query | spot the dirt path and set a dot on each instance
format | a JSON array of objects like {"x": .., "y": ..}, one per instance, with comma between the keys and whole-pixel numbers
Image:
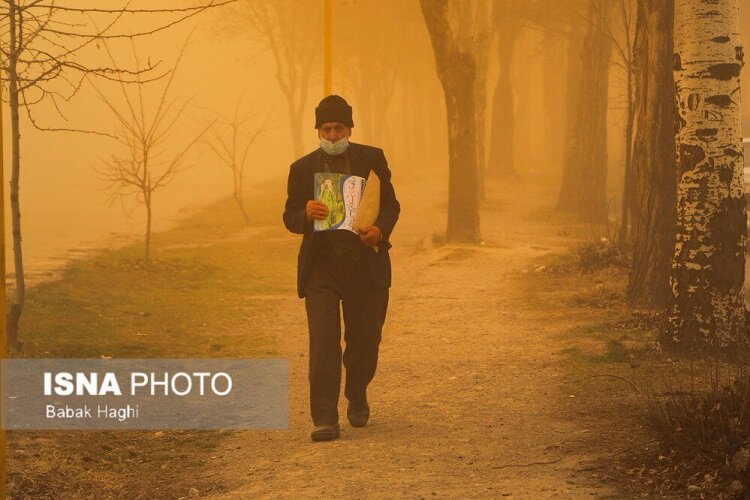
[{"x": 469, "y": 399}]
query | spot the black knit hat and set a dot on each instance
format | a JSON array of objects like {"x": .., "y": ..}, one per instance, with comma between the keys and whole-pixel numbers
[{"x": 333, "y": 109}]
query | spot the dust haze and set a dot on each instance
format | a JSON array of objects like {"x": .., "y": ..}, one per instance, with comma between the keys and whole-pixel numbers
[
  {"x": 398, "y": 105},
  {"x": 480, "y": 389}
]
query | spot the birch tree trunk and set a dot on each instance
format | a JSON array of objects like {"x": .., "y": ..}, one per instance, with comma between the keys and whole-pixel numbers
[
  {"x": 457, "y": 73},
  {"x": 706, "y": 310},
  {"x": 653, "y": 156}
]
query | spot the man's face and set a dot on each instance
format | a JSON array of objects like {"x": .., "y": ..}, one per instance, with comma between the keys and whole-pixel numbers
[{"x": 333, "y": 131}]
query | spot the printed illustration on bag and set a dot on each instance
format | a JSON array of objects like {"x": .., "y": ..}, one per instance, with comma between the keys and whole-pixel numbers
[{"x": 342, "y": 195}]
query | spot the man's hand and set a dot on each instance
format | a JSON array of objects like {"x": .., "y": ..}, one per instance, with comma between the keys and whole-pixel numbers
[
  {"x": 315, "y": 210},
  {"x": 370, "y": 235}
]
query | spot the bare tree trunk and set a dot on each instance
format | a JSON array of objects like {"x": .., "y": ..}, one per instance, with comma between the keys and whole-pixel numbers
[
  {"x": 501, "y": 163},
  {"x": 46, "y": 64},
  {"x": 619, "y": 27},
  {"x": 296, "y": 108},
  {"x": 480, "y": 100},
  {"x": 148, "y": 227},
  {"x": 411, "y": 106},
  {"x": 241, "y": 204},
  {"x": 463, "y": 181},
  {"x": 420, "y": 105},
  {"x": 586, "y": 161},
  {"x": 239, "y": 196},
  {"x": 457, "y": 73},
  {"x": 238, "y": 168},
  {"x": 629, "y": 196},
  {"x": 629, "y": 200},
  {"x": 554, "y": 96},
  {"x": 574, "y": 76},
  {"x": 288, "y": 30},
  {"x": 381, "y": 92},
  {"x": 364, "y": 123},
  {"x": 706, "y": 309},
  {"x": 654, "y": 182},
  {"x": 16, "y": 308},
  {"x": 295, "y": 124}
]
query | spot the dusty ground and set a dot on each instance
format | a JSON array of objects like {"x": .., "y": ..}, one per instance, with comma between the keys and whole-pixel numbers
[{"x": 471, "y": 398}]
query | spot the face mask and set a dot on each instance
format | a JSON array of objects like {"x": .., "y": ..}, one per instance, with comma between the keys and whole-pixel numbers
[{"x": 334, "y": 148}]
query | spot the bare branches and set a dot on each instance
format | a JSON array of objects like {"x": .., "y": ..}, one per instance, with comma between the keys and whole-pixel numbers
[
  {"x": 231, "y": 141},
  {"x": 126, "y": 10},
  {"x": 46, "y": 53},
  {"x": 27, "y": 105},
  {"x": 44, "y": 60},
  {"x": 290, "y": 31},
  {"x": 143, "y": 129},
  {"x": 137, "y": 34}
]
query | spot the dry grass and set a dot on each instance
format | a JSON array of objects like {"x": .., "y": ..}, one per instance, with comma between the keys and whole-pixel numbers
[
  {"x": 207, "y": 282},
  {"x": 684, "y": 420}
]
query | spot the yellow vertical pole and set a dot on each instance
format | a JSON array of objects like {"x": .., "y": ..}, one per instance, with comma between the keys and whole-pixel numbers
[
  {"x": 327, "y": 46},
  {"x": 3, "y": 333}
]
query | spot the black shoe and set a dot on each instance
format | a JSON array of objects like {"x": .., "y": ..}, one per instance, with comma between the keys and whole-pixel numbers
[
  {"x": 325, "y": 433},
  {"x": 358, "y": 412}
]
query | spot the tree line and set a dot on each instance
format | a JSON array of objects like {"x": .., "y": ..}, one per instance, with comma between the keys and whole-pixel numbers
[{"x": 683, "y": 214}]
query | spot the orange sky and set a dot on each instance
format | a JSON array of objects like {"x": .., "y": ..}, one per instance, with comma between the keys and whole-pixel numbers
[{"x": 58, "y": 180}]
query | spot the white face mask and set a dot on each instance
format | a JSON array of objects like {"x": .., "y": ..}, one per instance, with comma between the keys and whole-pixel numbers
[{"x": 334, "y": 148}]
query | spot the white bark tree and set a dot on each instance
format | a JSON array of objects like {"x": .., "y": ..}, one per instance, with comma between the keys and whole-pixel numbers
[{"x": 706, "y": 310}]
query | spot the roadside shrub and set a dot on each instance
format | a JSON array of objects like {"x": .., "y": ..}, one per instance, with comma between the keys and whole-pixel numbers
[
  {"x": 599, "y": 254},
  {"x": 714, "y": 421},
  {"x": 702, "y": 423}
]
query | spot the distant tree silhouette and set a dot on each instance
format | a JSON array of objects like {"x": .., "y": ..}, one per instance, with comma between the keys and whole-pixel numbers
[
  {"x": 293, "y": 32},
  {"x": 231, "y": 139},
  {"x": 583, "y": 189},
  {"x": 142, "y": 130},
  {"x": 451, "y": 30},
  {"x": 501, "y": 163}
]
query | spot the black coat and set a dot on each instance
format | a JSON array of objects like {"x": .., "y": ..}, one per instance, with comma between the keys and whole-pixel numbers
[{"x": 300, "y": 190}]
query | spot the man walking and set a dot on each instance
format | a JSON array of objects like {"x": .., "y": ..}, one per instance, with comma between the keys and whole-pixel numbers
[{"x": 339, "y": 270}]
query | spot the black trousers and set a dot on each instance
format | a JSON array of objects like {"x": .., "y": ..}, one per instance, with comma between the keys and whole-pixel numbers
[{"x": 337, "y": 283}]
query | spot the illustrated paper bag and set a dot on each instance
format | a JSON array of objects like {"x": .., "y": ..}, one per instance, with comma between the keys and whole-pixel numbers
[{"x": 369, "y": 206}]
